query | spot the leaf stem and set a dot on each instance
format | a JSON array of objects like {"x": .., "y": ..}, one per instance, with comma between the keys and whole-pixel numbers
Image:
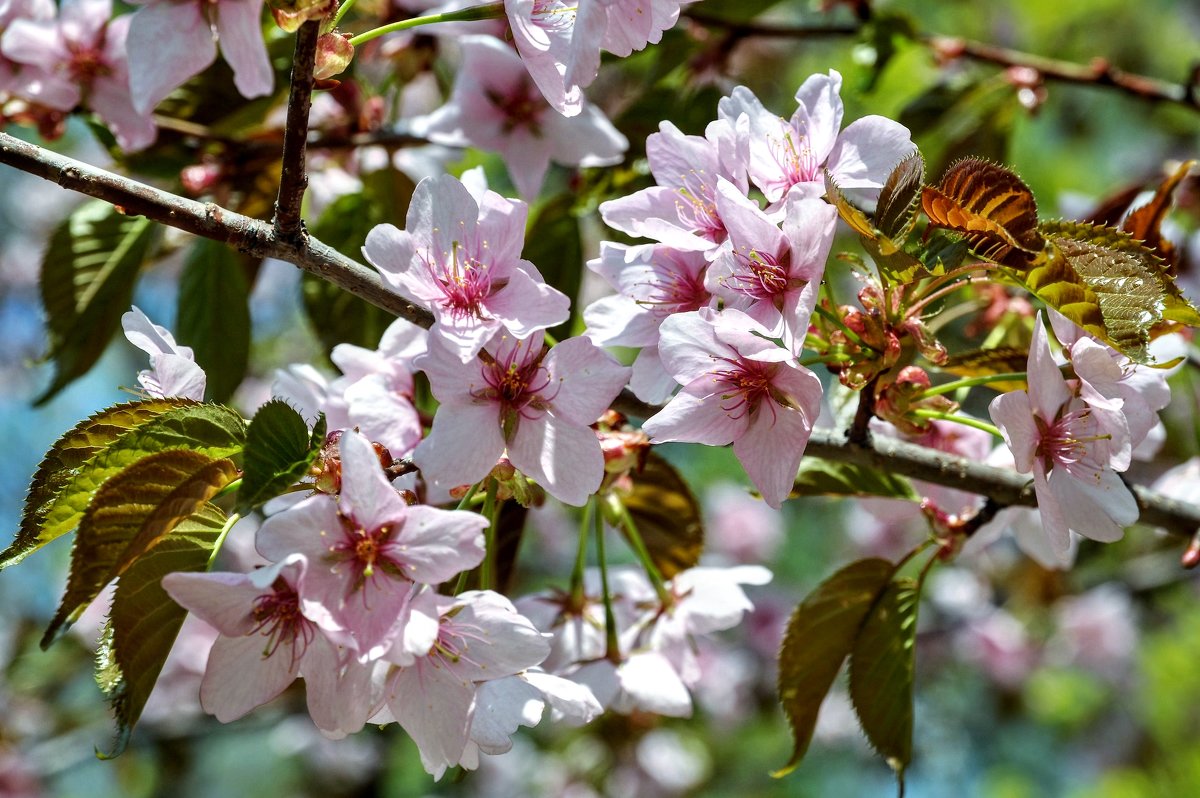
[
  {"x": 491, "y": 511},
  {"x": 970, "y": 382},
  {"x": 967, "y": 421},
  {"x": 643, "y": 554},
  {"x": 228, "y": 525},
  {"x": 472, "y": 14},
  {"x": 577, "y": 589},
  {"x": 612, "y": 650}
]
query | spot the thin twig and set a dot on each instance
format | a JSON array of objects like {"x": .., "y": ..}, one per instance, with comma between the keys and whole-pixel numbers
[
  {"x": 293, "y": 178},
  {"x": 208, "y": 220}
]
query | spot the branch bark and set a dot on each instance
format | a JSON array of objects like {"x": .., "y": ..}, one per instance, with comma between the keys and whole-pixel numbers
[
  {"x": 293, "y": 178},
  {"x": 208, "y": 220}
]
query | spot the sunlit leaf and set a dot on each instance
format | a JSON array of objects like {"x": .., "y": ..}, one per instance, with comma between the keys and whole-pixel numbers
[
  {"x": 895, "y": 210},
  {"x": 852, "y": 216},
  {"x": 214, "y": 314},
  {"x": 130, "y": 514},
  {"x": 1145, "y": 222},
  {"x": 279, "y": 451},
  {"x": 144, "y": 620},
  {"x": 819, "y": 637},
  {"x": 667, "y": 516},
  {"x": 211, "y": 430},
  {"x": 819, "y": 477},
  {"x": 87, "y": 277},
  {"x": 990, "y": 205},
  {"x": 881, "y": 673},
  {"x": 981, "y": 362},
  {"x": 61, "y": 464}
]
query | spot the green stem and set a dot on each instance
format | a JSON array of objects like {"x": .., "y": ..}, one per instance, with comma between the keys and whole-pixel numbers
[
  {"x": 466, "y": 500},
  {"x": 829, "y": 316},
  {"x": 341, "y": 12},
  {"x": 489, "y": 11},
  {"x": 577, "y": 595},
  {"x": 967, "y": 421},
  {"x": 643, "y": 554},
  {"x": 228, "y": 525},
  {"x": 612, "y": 644},
  {"x": 229, "y": 488},
  {"x": 970, "y": 382},
  {"x": 491, "y": 511}
]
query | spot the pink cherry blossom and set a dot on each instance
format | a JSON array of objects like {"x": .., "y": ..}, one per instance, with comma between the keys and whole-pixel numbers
[
  {"x": 773, "y": 275},
  {"x": 173, "y": 370},
  {"x": 265, "y": 643},
  {"x": 462, "y": 260},
  {"x": 496, "y": 106},
  {"x": 480, "y": 637},
  {"x": 172, "y": 40},
  {"x": 632, "y": 24},
  {"x": 368, "y": 548},
  {"x": 652, "y": 281},
  {"x": 681, "y": 211},
  {"x": 738, "y": 388},
  {"x": 791, "y": 154},
  {"x": 80, "y": 58},
  {"x": 560, "y": 45},
  {"x": 13, "y": 74},
  {"x": 1062, "y": 440},
  {"x": 535, "y": 403}
]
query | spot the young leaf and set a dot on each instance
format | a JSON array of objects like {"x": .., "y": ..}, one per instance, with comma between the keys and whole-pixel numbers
[
  {"x": 667, "y": 516},
  {"x": 132, "y": 512},
  {"x": 820, "y": 634},
  {"x": 214, "y": 314},
  {"x": 1145, "y": 221},
  {"x": 279, "y": 450},
  {"x": 850, "y": 215},
  {"x": 881, "y": 673},
  {"x": 894, "y": 212},
  {"x": 212, "y": 430},
  {"x": 86, "y": 283},
  {"x": 819, "y": 477},
  {"x": 144, "y": 620},
  {"x": 64, "y": 459},
  {"x": 991, "y": 206}
]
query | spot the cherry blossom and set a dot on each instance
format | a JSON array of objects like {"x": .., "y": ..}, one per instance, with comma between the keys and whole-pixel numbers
[
  {"x": 80, "y": 58},
  {"x": 368, "y": 548},
  {"x": 535, "y": 403},
  {"x": 560, "y": 45},
  {"x": 173, "y": 370},
  {"x": 13, "y": 74},
  {"x": 496, "y": 106},
  {"x": 462, "y": 260},
  {"x": 791, "y": 154},
  {"x": 652, "y": 281},
  {"x": 172, "y": 40},
  {"x": 738, "y": 388},
  {"x": 773, "y": 275},
  {"x": 1062, "y": 440},
  {"x": 681, "y": 211}
]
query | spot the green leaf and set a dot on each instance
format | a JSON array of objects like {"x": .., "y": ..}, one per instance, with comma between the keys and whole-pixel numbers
[
  {"x": 554, "y": 246},
  {"x": 64, "y": 459},
  {"x": 819, "y": 637},
  {"x": 87, "y": 278},
  {"x": 667, "y": 516},
  {"x": 214, "y": 314},
  {"x": 132, "y": 512},
  {"x": 279, "y": 451},
  {"x": 881, "y": 673},
  {"x": 850, "y": 214},
  {"x": 144, "y": 620},
  {"x": 212, "y": 430},
  {"x": 819, "y": 477}
]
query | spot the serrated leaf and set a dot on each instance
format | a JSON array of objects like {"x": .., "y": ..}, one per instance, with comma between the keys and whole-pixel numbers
[
  {"x": 882, "y": 666},
  {"x": 1145, "y": 221},
  {"x": 62, "y": 463},
  {"x": 279, "y": 451},
  {"x": 214, "y": 314},
  {"x": 898, "y": 266},
  {"x": 991, "y": 206},
  {"x": 818, "y": 477},
  {"x": 852, "y": 216},
  {"x": 86, "y": 281},
  {"x": 895, "y": 211},
  {"x": 144, "y": 620},
  {"x": 819, "y": 637},
  {"x": 941, "y": 253},
  {"x": 132, "y": 512},
  {"x": 667, "y": 516},
  {"x": 212, "y": 430}
]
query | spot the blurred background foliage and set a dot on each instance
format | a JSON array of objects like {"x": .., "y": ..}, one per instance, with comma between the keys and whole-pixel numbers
[{"x": 1030, "y": 683}]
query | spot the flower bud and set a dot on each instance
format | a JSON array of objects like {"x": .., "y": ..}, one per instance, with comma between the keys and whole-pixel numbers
[{"x": 334, "y": 54}]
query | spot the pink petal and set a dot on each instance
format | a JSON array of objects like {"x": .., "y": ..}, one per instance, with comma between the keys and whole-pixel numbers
[
  {"x": 434, "y": 706},
  {"x": 1048, "y": 390},
  {"x": 239, "y": 24},
  {"x": 562, "y": 456},
  {"x": 587, "y": 380},
  {"x": 223, "y": 600},
  {"x": 772, "y": 445},
  {"x": 526, "y": 306},
  {"x": 867, "y": 151},
  {"x": 462, "y": 447},
  {"x": 156, "y": 70},
  {"x": 1013, "y": 414},
  {"x": 820, "y": 112},
  {"x": 438, "y": 544},
  {"x": 696, "y": 415},
  {"x": 239, "y": 678}
]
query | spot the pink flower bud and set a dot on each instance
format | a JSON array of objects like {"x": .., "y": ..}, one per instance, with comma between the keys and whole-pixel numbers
[{"x": 334, "y": 53}]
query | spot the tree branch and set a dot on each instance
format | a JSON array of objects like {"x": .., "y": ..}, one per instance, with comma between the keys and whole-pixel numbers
[
  {"x": 208, "y": 220},
  {"x": 293, "y": 178},
  {"x": 1005, "y": 487},
  {"x": 1098, "y": 73}
]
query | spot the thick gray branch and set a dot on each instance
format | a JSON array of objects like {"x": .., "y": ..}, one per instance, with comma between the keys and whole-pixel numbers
[{"x": 208, "y": 220}]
